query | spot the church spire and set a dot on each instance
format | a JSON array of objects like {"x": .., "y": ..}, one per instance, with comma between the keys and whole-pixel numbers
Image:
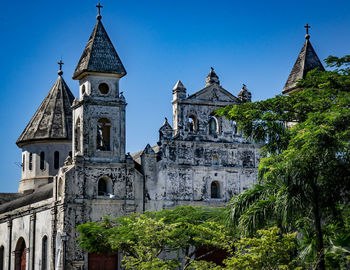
[
  {"x": 307, "y": 60},
  {"x": 99, "y": 55}
]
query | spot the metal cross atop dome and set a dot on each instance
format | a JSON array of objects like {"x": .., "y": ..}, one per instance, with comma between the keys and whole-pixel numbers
[
  {"x": 60, "y": 63},
  {"x": 307, "y": 26},
  {"x": 99, "y": 11},
  {"x": 60, "y": 72}
]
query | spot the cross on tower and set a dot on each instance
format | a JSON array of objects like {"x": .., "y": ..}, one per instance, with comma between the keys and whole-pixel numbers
[
  {"x": 60, "y": 72},
  {"x": 307, "y": 26},
  {"x": 99, "y": 11},
  {"x": 60, "y": 63}
]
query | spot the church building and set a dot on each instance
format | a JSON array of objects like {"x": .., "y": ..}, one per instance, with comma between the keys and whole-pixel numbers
[{"x": 75, "y": 167}]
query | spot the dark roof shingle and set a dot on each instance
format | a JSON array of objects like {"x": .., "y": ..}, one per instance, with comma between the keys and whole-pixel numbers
[
  {"x": 306, "y": 61},
  {"x": 53, "y": 119},
  {"x": 99, "y": 55}
]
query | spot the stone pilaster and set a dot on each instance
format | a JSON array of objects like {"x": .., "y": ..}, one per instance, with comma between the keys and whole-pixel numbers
[
  {"x": 31, "y": 242},
  {"x": 9, "y": 243}
]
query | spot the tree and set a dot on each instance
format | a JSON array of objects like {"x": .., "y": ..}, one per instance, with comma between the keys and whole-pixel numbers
[
  {"x": 304, "y": 173},
  {"x": 269, "y": 250},
  {"x": 144, "y": 238}
]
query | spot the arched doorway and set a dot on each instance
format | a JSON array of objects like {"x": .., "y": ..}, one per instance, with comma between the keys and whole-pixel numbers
[{"x": 20, "y": 255}]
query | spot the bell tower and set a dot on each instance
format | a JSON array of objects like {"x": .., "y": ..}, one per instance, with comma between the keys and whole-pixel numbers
[{"x": 99, "y": 112}]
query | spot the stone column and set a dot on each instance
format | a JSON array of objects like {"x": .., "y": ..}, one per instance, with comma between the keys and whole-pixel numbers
[
  {"x": 31, "y": 258},
  {"x": 53, "y": 236},
  {"x": 9, "y": 243}
]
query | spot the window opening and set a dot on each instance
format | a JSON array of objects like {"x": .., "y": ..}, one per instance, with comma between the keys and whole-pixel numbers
[
  {"x": 44, "y": 253},
  {"x": 192, "y": 123},
  {"x": 30, "y": 161},
  {"x": 212, "y": 125},
  {"x": 56, "y": 162},
  {"x": 77, "y": 136},
  {"x": 2, "y": 257},
  {"x": 103, "y": 135},
  {"x": 104, "y": 89},
  {"x": 215, "y": 190},
  {"x": 83, "y": 90},
  {"x": 24, "y": 162},
  {"x": 42, "y": 160},
  {"x": 104, "y": 186}
]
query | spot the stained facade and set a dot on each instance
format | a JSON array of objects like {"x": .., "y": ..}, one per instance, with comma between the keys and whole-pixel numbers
[{"x": 75, "y": 167}]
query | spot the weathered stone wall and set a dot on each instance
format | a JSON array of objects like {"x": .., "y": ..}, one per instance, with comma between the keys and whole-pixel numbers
[
  {"x": 79, "y": 201},
  {"x": 187, "y": 169},
  {"x": 31, "y": 223},
  {"x": 35, "y": 177}
]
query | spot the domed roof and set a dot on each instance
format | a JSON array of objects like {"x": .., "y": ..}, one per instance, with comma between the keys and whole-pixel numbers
[{"x": 53, "y": 119}]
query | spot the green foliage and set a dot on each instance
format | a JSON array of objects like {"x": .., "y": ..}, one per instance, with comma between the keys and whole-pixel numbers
[
  {"x": 304, "y": 174},
  {"x": 270, "y": 250},
  {"x": 143, "y": 237}
]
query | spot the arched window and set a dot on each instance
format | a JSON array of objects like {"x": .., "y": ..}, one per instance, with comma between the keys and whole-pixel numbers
[
  {"x": 213, "y": 127},
  {"x": 30, "y": 161},
  {"x": 104, "y": 186},
  {"x": 215, "y": 190},
  {"x": 77, "y": 136},
  {"x": 20, "y": 255},
  {"x": 2, "y": 257},
  {"x": 44, "y": 253},
  {"x": 83, "y": 89},
  {"x": 103, "y": 139},
  {"x": 192, "y": 123},
  {"x": 56, "y": 160},
  {"x": 24, "y": 162},
  {"x": 42, "y": 160}
]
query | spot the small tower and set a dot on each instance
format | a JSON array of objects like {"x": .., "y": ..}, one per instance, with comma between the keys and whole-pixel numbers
[
  {"x": 245, "y": 95},
  {"x": 99, "y": 113},
  {"x": 307, "y": 60},
  {"x": 179, "y": 90},
  {"x": 212, "y": 78},
  {"x": 47, "y": 140},
  {"x": 179, "y": 94}
]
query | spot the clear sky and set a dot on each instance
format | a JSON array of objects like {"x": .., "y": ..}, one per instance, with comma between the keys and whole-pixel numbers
[{"x": 159, "y": 42}]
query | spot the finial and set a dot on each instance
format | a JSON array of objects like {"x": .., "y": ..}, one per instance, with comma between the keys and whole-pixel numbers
[
  {"x": 99, "y": 11},
  {"x": 211, "y": 69},
  {"x": 307, "y": 26},
  {"x": 60, "y": 72},
  {"x": 166, "y": 120}
]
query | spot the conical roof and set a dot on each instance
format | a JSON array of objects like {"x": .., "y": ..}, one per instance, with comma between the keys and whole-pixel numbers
[
  {"x": 306, "y": 61},
  {"x": 99, "y": 55},
  {"x": 53, "y": 119},
  {"x": 179, "y": 86}
]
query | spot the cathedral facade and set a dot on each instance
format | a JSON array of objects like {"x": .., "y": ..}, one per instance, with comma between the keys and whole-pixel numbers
[{"x": 75, "y": 167}]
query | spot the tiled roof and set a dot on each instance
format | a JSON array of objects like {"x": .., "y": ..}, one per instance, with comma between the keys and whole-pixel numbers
[
  {"x": 99, "y": 55},
  {"x": 306, "y": 61},
  {"x": 53, "y": 119}
]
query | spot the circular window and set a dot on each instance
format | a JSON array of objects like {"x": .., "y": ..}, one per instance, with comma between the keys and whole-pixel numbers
[
  {"x": 103, "y": 87},
  {"x": 83, "y": 90}
]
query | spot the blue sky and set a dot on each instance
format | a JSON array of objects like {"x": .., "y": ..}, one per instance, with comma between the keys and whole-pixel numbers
[{"x": 159, "y": 42}]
